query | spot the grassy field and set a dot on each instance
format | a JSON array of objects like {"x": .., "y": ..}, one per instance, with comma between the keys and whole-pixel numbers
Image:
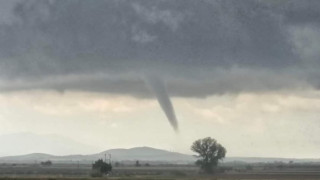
[
  {"x": 176, "y": 172},
  {"x": 164, "y": 178}
]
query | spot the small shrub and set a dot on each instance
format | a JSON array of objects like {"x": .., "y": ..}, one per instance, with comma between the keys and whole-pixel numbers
[
  {"x": 101, "y": 167},
  {"x": 46, "y": 163}
]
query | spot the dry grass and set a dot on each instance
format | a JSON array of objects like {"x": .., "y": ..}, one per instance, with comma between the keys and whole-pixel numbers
[{"x": 271, "y": 177}]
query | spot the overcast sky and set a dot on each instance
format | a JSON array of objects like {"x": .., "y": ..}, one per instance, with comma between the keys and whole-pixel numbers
[{"x": 243, "y": 72}]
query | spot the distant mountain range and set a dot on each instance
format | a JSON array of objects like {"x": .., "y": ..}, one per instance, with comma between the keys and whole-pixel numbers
[
  {"x": 139, "y": 153},
  {"x": 143, "y": 154},
  {"x": 26, "y": 143}
]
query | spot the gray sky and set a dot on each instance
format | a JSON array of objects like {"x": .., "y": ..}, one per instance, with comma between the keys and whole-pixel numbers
[{"x": 243, "y": 72}]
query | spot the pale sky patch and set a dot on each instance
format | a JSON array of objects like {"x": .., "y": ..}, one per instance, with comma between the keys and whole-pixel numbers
[{"x": 267, "y": 124}]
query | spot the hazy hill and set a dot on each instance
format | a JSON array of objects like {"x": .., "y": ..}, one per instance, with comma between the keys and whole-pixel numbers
[
  {"x": 268, "y": 160},
  {"x": 139, "y": 153},
  {"x": 26, "y": 143},
  {"x": 146, "y": 154}
]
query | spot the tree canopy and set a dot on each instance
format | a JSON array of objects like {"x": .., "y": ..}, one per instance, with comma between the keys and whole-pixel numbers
[
  {"x": 209, "y": 153},
  {"x": 101, "y": 167}
]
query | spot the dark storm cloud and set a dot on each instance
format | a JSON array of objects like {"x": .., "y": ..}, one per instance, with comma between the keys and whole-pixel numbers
[
  {"x": 299, "y": 12},
  {"x": 200, "y": 47}
]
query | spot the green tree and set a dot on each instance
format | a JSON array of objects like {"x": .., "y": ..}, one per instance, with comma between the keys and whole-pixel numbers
[
  {"x": 209, "y": 153},
  {"x": 100, "y": 167}
]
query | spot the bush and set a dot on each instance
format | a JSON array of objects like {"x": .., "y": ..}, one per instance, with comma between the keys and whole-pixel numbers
[
  {"x": 99, "y": 168},
  {"x": 46, "y": 163}
]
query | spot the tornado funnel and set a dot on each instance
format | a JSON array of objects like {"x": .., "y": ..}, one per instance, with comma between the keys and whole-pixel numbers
[{"x": 160, "y": 91}]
